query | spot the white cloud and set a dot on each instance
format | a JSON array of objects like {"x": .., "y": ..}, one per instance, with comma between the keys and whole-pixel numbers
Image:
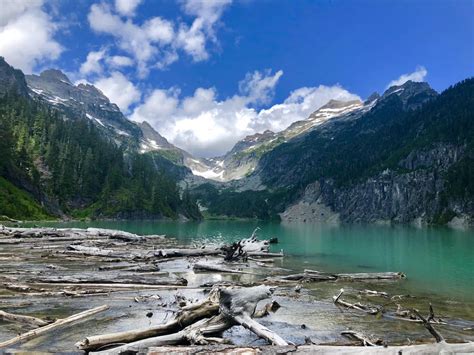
[
  {"x": 118, "y": 61},
  {"x": 156, "y": 42},
  {"x": 127, "y": 7},
  {"x": 27, "y": 34},
  {"x": 119, "y": 90},
  {"x": 206, "y": 126},
  {"x": 418, "y": 75},
  {"x": 92, "y": 63},
  {"x": 259, "y": 87}
]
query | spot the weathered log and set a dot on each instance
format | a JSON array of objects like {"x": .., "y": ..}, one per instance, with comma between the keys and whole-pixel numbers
[
  {"x": 358, "y": 306},
  {"x": 423, "y": 349},
  {"x": 183, "y": 253},
  {"x": 240, "y": 305},
  {"x": 372, "y": 276},
  {"x": 138, "y": 280},
  {"x": 187, "y": 316},
  {"x": 95, "y": 251},
  {"x": 316, "y": 276},
  {"x": 372, "y": 293},
  {"x": 265, "y": 311},
  {"x": 363, "y": 339},
  {"x": 235, "y": 305},
  {"x": 439, "y": 338},
  {"x": 116, "y": 234},
  {"x": 59, "y": 323},
  {"x": 18, "y": 318},
  {"x": 218, "y": 268}
]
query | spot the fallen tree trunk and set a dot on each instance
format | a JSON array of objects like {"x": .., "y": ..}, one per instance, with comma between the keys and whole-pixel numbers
[
  {"x": 316, "y": 276},
  {"x": 437, "y": 348},
  {"x": 426, "y": 322},
  {"x": 363, "y": 339},
  {"x": 137, "y": 280},
  {"x": 218, "y": 268},
  {"x": 59, "y": 323},
  {"x": 235, "y": 307},
  {"x": 95, "y": 251},
  {"x": 18, "y": 318},
  {"x": 183, "y": 253},
  {"x": 357, "y": 306},
  {"x": 372, "y": 276},
  {"x": 187, "y": 316}
]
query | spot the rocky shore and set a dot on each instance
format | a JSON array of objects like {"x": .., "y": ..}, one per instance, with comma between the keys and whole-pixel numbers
[{"x": 112, "y": 292}]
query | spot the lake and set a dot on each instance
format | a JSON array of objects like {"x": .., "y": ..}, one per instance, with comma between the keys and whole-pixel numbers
[{"x": 438, "y": 262}]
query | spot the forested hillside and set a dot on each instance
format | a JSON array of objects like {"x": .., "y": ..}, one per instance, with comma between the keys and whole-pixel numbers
[
  {"x": 411, "y": 156},
  {"x": 70, "y": 168}
]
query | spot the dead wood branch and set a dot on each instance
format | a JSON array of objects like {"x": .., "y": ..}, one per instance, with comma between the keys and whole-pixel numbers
[
  {"x": 235, "y": 306},
  {"x": 439, "y": 338},
  {"x": 358, "y": 306},
  {"x": 265, "y": 311},
  {"x": 59, "y": 323},
  {"x": 18, "y": 318},
  {"x": 363, "y": 339}
]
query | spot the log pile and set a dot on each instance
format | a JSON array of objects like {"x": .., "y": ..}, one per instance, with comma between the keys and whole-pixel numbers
[
  {"x": 197, "y": 324},
  {"x": 129, "y": 270}
]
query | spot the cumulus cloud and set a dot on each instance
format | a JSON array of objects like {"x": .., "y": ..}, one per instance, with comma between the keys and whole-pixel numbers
[
  {"x": 155, "y": 43},
  {"x": 206, "y": 126},
  {"x": 127, "y": 7},
  {"x": 27, "y": 34},
  {"x": 418, "y": 75},
  {"x": 93, "y": 63},
  {"x": 119, "y": 90}
]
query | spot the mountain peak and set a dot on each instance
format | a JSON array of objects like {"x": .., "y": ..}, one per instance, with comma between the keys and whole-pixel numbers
[
  {"x": 412, "y": 93},
  {"x": 11, "y": 79},
  {"x": 55, "y": 74},
  {"x": 337, "y": 104},
  {"x": 374, "y": 96}
]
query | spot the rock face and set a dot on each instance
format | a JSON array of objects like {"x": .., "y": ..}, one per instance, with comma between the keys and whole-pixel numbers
[
  {"x": 11, "y": 80},
  {"x": 244, "y": 157},
  {"x": 407, "y": 159},
  {"x": 412, "y": 94},
  {"x": 82, "y": 101},
  {"x": 414, "y": 195}
]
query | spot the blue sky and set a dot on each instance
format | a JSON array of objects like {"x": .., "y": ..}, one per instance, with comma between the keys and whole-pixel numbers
[{"x": 205, "y": 73}]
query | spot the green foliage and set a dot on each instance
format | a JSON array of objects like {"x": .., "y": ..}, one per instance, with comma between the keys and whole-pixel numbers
[
  {"x": 460, "y": 179},
  {"x": 172, "y": 155},
  {"x": 354, "y": 150},
  {"x": 18, "y": 204},
  {"x": 263, "y": 205},
  {"x": 71, "y": 161}
]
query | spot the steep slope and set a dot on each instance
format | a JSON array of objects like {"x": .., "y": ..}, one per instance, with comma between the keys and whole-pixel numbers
[
  {"x": 86, "y": 102},
  {"x": 12, "y": 81},
  {"x": 74, "y": 164},
  {"x": 243, "y": 158},
  {"x": 82, "y": 101},
  {"x": 394, "y": 164}
]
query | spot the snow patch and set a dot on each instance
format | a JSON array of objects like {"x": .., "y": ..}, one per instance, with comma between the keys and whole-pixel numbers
[{"x": 95, "y": 119}]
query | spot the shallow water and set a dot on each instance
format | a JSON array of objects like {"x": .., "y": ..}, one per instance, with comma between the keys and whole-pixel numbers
[{"x": 438, "y": 262}]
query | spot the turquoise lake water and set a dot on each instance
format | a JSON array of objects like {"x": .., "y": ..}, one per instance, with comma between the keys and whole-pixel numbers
[{"x": 437, "y": 261}]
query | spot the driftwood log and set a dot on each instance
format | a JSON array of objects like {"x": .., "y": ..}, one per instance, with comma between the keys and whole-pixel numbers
[
  {"x": 358, "y": 306},
  {"x": 18, "y": 318},
  {"x": 223, "y": 309},
  {"x": 316, "y": 276},
  {"x": 57, "y": 324},
  {"x": 424, "y": 349}
]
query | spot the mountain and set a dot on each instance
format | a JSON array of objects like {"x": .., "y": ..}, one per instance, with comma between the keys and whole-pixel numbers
[
  {"x": 243, "y": 158},
  {"x": 404, "y": 157},
  {"x": 68, "y": 151}
]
